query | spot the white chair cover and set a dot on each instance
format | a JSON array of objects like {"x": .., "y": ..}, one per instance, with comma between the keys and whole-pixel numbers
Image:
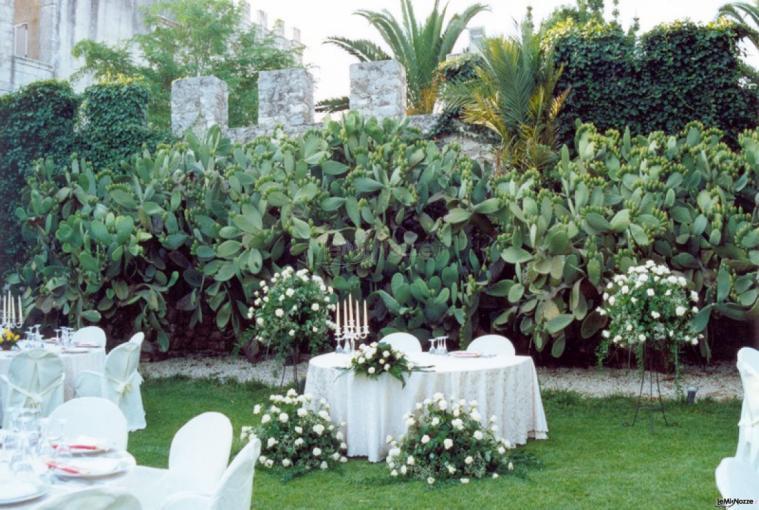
[
  {"x": 200, "y": 451},
  {"x": 748, "y": 426},
  {"x": 235, "y": 490},
  {"x": 90, "y": 335},
  {"x": 94, "y": 417},
  {"x": 492, "y": 345},
  {"x": 404, "y": 342},
  {"x": 34, "y": 380},
  {"x": 137, "y": 338},
  {"x": 99, "y": 498},
  {"x": 736, "y": 479},
  {"x": 120, "y": 384}
]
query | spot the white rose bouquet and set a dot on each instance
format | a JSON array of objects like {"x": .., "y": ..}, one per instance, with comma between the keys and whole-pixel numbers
[
  {"x": 446, "y": 441},
  {"x": 295, "y": 438},
  {"x": 376, "y": 359},
  {"x": 291, "y": 313},
  {"x": 648, "y": 306}
]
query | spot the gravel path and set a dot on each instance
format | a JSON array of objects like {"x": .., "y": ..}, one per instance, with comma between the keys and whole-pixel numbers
[{"x": 719, "y": 381}]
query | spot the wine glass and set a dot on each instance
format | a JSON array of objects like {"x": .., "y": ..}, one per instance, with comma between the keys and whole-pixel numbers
[{"x": 433, "y": 346}]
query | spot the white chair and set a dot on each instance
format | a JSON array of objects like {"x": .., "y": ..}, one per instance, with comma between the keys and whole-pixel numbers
[
  {"x": 96, "y": 498},
  {"x": 120, "y": 383},
  {"x": 404, "y": 342},
  {"x": 137, "y": 338},
  {"x": 198, "y": 456},
  {"x": 492, "y": 345},
  {"x": 34, "y": 380},
  {"x": 748, "y": 427},
  {"x": 234, "y": 491},
  {"x": 736, "y": 479},
  {"x": 91, "y": 335},
  {"x": 93, "y": 417}
]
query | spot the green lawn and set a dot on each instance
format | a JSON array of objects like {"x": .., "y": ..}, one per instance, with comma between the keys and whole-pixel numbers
[{"x": 590, "y": 461}]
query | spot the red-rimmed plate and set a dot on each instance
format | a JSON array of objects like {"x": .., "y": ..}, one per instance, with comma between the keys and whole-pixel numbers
[{"x": 465, "y": 354}]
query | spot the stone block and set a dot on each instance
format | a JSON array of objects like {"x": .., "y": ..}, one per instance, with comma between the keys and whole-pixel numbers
[
  {"x": 378, "y": 89},
  {"x": 197, "y": 104}
]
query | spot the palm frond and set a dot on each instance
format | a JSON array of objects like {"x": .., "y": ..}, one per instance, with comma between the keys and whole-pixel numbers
[{"x": 363, "y": 49}]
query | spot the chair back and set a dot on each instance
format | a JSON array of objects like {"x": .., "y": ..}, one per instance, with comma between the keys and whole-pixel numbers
[
  {"x": 748, "y": 437},
  {"x": 122, "y": 362},
  {"x": 92, "y": 335},
  {"x": 492, "y": 345},
  {"x": 35, "y": 379},
  {"x": 736, "y": 479},
  {"x": 93, "y": 417},
  {"x": 122, "y": 383},
  {"x": 235, "y": 490},
  {"x": 404, "y": 342},
  {"x": 95, "y": 498},
  {"x": 137, "y": 338},
  {"x": 200, "y": 451}
]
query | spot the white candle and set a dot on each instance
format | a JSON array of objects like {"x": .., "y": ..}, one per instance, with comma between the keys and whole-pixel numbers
[
  {"x": 5, "y": 309},
  {"x": 337, "y": 317},
  {"x": 366, "y": 317},
  {"x": 350, "y": 309},
  {"x": 20, "y": 310},
  {"x": 358, "y": 314}
]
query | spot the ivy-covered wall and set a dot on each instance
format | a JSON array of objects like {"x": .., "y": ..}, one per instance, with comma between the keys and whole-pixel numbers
[
  {"x": 48, "y": 120},
  {"x": 674, "y": 74}
]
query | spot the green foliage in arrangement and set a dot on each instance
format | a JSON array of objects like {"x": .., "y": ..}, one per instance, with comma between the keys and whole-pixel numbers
[
  {"x": 661, "y": 81},
  {"x": 220, "y": 46},
  {"x": 439, "y": 244},
  {"x": 36, "y": 122}
]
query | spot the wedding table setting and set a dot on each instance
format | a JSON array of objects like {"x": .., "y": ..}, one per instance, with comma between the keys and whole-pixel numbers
[{"x": 505, "y": 388}]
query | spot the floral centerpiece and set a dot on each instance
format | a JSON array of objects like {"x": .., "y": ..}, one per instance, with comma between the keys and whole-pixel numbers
[
  {"x": 376, "y": 359},
  {"x": 294, "y": 437},
  {"x": 8, "y": 339},
  {"x": 291, "y": 313},
  {"x": 649, "y": 306},
  {"x": 446, "y": 441}
]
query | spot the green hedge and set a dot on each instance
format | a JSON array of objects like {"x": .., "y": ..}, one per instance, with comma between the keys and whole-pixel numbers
[
  {"x": 48, "y": 120},
  {"x": 439, "y": 244},
  {"x": 668, "y": 77}
]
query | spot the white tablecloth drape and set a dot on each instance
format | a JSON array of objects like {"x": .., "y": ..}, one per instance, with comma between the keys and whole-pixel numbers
[
  {"x": 503, "y": 386},
  {"x": 73, "y": 364}
]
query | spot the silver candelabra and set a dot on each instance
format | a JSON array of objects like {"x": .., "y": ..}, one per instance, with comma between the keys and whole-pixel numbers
[{"x": 351, "y": 328}]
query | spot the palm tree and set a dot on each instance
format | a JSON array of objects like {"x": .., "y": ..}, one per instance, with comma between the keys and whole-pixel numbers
[
  {"x": 513, "y": 95},
  {"x": 745, "y": 16},
  {"x": 420, "y": 48}
]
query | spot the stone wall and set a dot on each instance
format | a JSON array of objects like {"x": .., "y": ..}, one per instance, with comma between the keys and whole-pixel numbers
[
  {"x": 6, "y": 45},
  {"x": 378, "y": 89},
  {"x": 26, "y": 70}
]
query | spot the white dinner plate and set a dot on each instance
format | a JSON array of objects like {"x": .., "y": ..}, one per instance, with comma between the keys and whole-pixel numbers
[
  {"x": 83, "y": 445},
  {"x": 13, "y": 491},
  {"x": 465, "y": 354},
  {"x": 93, "y": 467}
]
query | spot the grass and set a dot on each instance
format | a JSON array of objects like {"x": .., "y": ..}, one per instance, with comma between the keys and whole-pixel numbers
[{"x": 590, "y": 460}]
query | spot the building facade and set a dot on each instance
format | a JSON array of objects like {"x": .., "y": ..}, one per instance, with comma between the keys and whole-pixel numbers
[{"x": 37, "y": 36}]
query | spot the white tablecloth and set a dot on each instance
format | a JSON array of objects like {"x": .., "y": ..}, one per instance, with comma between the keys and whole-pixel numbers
[
  {"x": 73, "y": 364},
  {"x": 504, "y": 386}
]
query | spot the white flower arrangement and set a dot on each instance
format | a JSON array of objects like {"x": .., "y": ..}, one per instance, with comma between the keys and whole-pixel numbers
[
  {"x": 649, "y": 306},
  {"x": 437, "y": 450},
  {"x": 295, "y": 437},
  {"x": 291, "y": 313},
  {"x": 375, "y": 359}
]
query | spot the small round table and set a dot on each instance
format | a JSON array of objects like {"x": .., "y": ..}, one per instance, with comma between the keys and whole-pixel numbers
[{"x": 503, "y": 386}]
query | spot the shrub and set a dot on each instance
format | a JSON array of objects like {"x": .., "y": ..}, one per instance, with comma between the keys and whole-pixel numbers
[
  {"x": 445, "y": 441},
  {"x": 294, "y": 437},
  {"x": 668, "y": 77}
]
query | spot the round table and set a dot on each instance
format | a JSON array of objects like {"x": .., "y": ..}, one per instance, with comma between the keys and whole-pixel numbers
[
  {"x": 76, "y": 361},
  {"x": 503, "y": 386}
]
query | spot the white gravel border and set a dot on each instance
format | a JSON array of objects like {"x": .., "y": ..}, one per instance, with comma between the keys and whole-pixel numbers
[{"x": 719, "y": 382}]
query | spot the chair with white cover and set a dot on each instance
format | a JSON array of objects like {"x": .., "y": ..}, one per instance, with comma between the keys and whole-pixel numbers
[
  {"x": 137, "y": 338},
  {"x": 90, "y": 335},
  {"x": 234, "y": 491},
  {"x": 93, "y": 417},
  {"x": 736, "y": 479},
  {"x": 34, "y": 380},
  {"x": 748, "y": 427},
  {"x": 198, "y": 457},
  {"x": 404, "y": 342},
  {"x": 95, "y": 498},
  {"x": 120, "y": 383},
  {"x": 492, "y": 345}
]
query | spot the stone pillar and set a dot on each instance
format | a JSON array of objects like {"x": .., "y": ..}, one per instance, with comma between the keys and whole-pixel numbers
[
  {"x": 7, "y": 42},
  {"x": 197, "y": 104},
  {"x": 378, "y": 89},
  {"x": 285, "y": 97}
]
